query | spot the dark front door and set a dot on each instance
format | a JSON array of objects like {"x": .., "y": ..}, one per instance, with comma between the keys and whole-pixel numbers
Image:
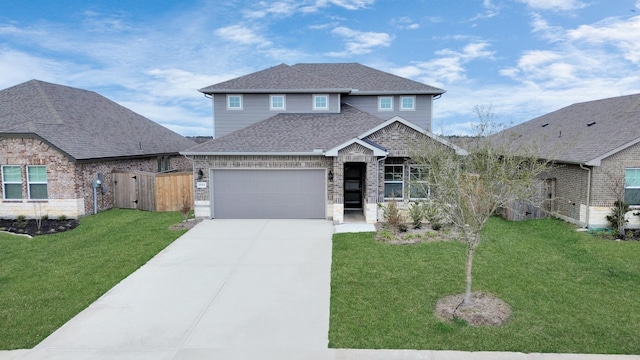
[{"x": 353, "y": 185}]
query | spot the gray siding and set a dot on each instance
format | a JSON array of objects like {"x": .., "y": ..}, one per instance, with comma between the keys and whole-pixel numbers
[
  {"x": 421, "y": 116},
  {"x": 255, "y": 108}
]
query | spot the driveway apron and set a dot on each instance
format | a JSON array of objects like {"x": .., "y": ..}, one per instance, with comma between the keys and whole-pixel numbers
[{"x": 227, "y": 289}]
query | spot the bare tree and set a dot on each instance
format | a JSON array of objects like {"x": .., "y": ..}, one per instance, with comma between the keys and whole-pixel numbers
[{"x": 469, "y": 189}]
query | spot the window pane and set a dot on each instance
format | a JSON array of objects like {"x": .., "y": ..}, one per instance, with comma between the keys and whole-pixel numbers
[
  {"x": 632, "y": 196},
  {"x": 13, "y": 191},
  {"x": 393, "y": 173},
  {"x": 38, "y": 191},
  {"x": 632, "y": 177},
  {"x": 277, "y": 102},
  {"x": 12, "y": 174},
  {"x": 235, "y": 102},
  {"x": 393, "y": 190},
  {"x": 385, "y": 103},
  {"x": 407, "y": 103},
  {"x": 418, "y": 191},
  {"x": 321, "y": 102},
  {"x": 37, "y": 174},
  {"x": 418, "y": 174}
]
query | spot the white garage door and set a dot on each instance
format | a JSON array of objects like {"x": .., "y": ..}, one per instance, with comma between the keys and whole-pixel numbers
[{"x": 268, "y": 194}]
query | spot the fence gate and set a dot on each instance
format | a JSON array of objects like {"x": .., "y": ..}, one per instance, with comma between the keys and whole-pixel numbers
[
  {"x": 542, "y": 206},
  {"x": 152, "y": 191}
]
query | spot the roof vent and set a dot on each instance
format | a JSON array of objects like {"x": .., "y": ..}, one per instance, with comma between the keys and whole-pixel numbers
[
  {"x": 545, "y": 124},
  {"x": 591, "y": 123}
]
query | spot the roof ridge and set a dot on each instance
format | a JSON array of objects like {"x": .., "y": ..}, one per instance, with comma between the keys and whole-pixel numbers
[{"x": 47, "y": 102}]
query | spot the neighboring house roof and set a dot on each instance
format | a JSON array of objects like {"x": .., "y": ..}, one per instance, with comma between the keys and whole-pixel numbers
[
  {"x": 584, "y": 133},
  {"x": 292, "y": 134},
  {"x": 352, "y": 78},
  {"x": 82, "y": 124}
]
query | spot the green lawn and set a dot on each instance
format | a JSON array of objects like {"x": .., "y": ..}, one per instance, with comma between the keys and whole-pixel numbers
[
  {"x": 47, "y": 280},
  {"x": 569, "y": 292}
]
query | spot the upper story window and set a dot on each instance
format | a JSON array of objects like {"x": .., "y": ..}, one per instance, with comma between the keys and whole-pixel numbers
[
  {"x": 12, "y": 181},
  {"x": 320, "y": 102},
  {"x": 407, "y": 103},
  {"x": 277, "y": 102},
  {"x": 37, "y": 181},
  {"x": 632, "y": 186},
  {"x": 385, "y": 103},
  {"x": 234, "y": 102}
]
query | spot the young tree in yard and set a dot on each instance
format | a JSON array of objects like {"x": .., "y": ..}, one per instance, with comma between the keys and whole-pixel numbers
[{"x": 470, "y": 189}]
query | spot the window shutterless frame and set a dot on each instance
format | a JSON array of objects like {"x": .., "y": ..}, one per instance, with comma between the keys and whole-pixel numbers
[
  {"x": 407, "y": 103},
  {"x": 320, "y": 102},
  {"x": 394, "y": 182},
  {"x": 11, "y": 182},
  {"x": 37, "y": 181},
  {"x": 234, "y": 102},
  {"x": 277, "y": 102},
  {"x": 632, "y": 186},
  {"x": 385, "y": 103}
]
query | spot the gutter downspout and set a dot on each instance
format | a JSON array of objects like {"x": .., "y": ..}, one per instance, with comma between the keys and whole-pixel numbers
[{"x": 588, "y": 193}]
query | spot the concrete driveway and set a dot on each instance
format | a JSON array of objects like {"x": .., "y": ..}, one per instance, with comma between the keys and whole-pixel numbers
[{"x": 227, "y": 289}]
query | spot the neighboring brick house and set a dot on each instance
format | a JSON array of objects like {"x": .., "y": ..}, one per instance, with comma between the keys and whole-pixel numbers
[
  {"x": 311, "y": 141},
  {"x": 55, "y": 141},
  {"x": 596, "y": 149}
]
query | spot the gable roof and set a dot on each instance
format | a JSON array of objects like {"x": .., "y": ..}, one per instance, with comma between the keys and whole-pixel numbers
[
  {"x": 585, "y": 133},
  {"x": 352, "y": 78},
  {"x": 292, "y": 134},
  {"x": 83, "y": 124}
]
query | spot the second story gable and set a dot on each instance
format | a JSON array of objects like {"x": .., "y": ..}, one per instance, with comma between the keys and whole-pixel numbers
[{"x": 317, "y": 88}]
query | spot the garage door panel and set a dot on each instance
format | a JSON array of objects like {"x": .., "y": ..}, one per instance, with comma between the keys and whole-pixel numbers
[{"x": 269, "y": 194}]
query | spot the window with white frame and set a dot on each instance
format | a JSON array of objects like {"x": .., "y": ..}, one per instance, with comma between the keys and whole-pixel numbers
[
  {"x": 407, "y": 103},
  {"x": 632, "y": 186},
  {"x": 418, "y": 185},
  {"x": 37, "y": 181},
  {"x": 277, "y": 102},
  {"x": 320, "y": 102},
  {"x": 385, "y": 103},
  {"x": 12, "y": 181},
  {"x": 234, "y": 102},
  {"x": 394, "y": 182}
]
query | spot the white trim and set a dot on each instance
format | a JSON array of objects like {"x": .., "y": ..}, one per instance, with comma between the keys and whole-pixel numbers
[
  {"x": 376, "y": 150},
  {"x": 459, "y": 150},
  {"x": 314, "y": 102},
  {"x": 284, "y": 102},
  {"x": 4, "y": 183},
  {"x": 385, "y": 182},
  {"x": 247, "y": 153},
  {"x": 380, "y": 98},
  {"x": 597, "y": 161},
  {"x": 402, "y": 108},
  {"x": 239, "y": 96}
]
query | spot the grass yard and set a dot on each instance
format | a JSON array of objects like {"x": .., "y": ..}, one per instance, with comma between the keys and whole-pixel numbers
[
  {"x": 569, "y": 292},
  {"x": 47, "y": 280}
]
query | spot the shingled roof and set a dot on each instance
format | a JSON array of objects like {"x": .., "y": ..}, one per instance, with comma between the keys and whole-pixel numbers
[
  {"x": 585, "y": 133},
  {"x": 83, "y": 124},
  {"x": 351, "y": 78},
  {"x": 292, "y": 134}
]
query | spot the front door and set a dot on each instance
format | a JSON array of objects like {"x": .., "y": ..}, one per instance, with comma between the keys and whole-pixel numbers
[{"x": 353, "y": 185}]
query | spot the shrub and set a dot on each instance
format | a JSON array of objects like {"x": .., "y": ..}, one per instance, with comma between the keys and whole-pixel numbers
[
  {"x": 62, "y": 217},
  {"x": 617, "y": 218},
  {"x": 417, "y": 214},
  {"x": 391, "y": 214}
]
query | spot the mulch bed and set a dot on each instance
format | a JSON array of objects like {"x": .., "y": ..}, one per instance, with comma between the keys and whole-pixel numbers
[
  {"x": 485, "y": 309},
  {"x": 33, "y": 227}
]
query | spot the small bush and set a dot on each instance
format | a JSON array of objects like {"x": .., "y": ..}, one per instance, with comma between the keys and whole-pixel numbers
[
  {"x": 617, "y": 218},
  {"x": 391, "y": 214},
  {"x": 417, "y": 214},
  {"x": 62, "y": 217}
]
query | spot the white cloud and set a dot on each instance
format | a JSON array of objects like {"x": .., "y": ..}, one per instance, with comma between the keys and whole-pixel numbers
[
  {"x": 557, "y": 5},
  {"x": 405, "y": 22},
  {"x": 286, "y": 8},
  {"x": 360, "y": 42},
  {"x": 625, "y": 35},
  {"x": 241, "y": 35}
]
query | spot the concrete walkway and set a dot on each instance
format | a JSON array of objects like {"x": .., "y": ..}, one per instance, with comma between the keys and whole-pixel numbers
[{"x": 230, "y": 289}]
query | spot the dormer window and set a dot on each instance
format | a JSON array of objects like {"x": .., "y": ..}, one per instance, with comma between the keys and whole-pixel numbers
[
  {"x": 320, "y": 102},
  {"x": 277, "y": 102},
  {"x": 407, "y": 103},
  {"x": 234, "y": 102},
  {"x": 385, "y": 103}
]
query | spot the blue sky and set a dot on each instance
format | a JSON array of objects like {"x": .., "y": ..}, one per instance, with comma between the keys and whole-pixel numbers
[{"x": 522, "y": 58}]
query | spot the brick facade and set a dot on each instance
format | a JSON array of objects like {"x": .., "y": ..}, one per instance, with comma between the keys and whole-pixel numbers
[{"x": 69, "y": 184}]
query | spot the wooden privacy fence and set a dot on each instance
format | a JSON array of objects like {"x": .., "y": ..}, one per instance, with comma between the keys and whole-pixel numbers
[
  {"x": 542, "y": 206},
  {"x": 152, "y": 191}
]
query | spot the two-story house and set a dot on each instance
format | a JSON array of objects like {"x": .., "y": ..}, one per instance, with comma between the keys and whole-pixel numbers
[{"x": 311, "y": 141}]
